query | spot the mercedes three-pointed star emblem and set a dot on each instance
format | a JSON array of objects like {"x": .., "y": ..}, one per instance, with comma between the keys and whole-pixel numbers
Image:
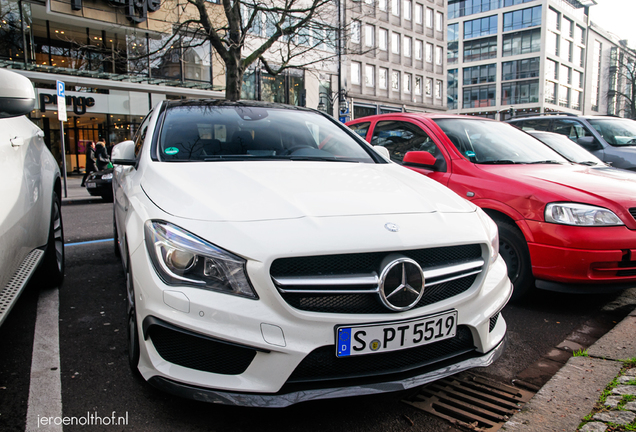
[{"x": 401, "y": 283}]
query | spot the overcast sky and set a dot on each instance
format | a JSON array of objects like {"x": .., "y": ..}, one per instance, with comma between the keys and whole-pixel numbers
[{"x": 618, "y": 17}]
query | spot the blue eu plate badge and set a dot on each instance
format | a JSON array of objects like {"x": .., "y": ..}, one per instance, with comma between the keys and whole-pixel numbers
[{"x": 344, "y": 342}]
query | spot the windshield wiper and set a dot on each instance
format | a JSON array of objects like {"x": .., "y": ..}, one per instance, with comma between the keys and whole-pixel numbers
[
  {"x": 588, "y": 163},
  {"x": 543, "y": 162},
  {"x": 498, "y": 162}
]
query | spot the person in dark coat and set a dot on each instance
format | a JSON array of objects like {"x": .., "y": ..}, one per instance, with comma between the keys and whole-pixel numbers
[
  {"x": 90, "y": 162},
  {"x": 101, "y": 155}
]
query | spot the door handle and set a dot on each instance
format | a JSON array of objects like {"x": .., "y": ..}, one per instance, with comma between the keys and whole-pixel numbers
[{"x": 16, "y": 141}]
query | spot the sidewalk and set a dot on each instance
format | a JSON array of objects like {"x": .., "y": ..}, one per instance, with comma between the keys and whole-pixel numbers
[
  {"x": 77, "y": 194},
  {"x": 569, "y": 398}
]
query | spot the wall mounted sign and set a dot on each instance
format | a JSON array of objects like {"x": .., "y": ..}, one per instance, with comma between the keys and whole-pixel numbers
[
  {"x": 79, "y": 103},
  {"x": 136, "y": 10}
]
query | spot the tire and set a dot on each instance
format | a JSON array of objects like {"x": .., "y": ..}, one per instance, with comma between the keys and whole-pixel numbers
[
  {"x": 513, "y": 248},
  {"x": 133, "y": 332},
  {"x": 51, "y": 271}
]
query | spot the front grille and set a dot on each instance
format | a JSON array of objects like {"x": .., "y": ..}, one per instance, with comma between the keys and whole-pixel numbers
[
  {"x": 493, "y": 322},
  {"x": 342, "y": 296},
  {"x": 632, "y": 211},
  {"x": 369, "y": 262},
  {"x": 322, "y": 363},
  {"x": 370, "y": 304},
  {"x": 199, "y": 353}
]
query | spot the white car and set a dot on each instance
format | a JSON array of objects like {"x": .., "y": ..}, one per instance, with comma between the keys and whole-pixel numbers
[
  {"x": 273, "y": 257},
  {"x": 31, "y": 234}
]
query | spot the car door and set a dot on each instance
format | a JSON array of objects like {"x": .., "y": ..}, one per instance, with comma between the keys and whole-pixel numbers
[{"x": 400, "y": 136}]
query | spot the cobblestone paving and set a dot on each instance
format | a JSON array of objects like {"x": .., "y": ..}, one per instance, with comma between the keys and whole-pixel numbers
[{"x": 620, "y": 407}]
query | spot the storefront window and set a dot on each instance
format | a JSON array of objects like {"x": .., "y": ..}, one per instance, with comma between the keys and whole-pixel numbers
[
  {"x": 248, "y": 91},
  {"x": 272, "y": 87},
  {"x": 296, "y": 86},
  {"x": 197, "y": 62},
  {"x": 11, "y": 43},
  {"x": 137, "y": 49}
]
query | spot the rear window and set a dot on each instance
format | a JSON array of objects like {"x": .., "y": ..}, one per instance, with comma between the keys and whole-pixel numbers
[{"x": 217, "y": 133}]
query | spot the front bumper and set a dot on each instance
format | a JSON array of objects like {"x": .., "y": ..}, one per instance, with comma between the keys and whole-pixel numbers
[{"x": 285, "y": 399}]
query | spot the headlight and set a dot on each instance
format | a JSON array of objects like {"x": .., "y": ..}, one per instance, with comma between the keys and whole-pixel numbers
[
  {"x": 107, "y": 176},
  {"x": 580, "y": 214},
  {"x": 180, "y": 258},
  {"x": 493, "y": 234}
]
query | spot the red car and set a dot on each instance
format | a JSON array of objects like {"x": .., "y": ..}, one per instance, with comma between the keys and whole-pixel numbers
[{"x": 562, "y": 226}]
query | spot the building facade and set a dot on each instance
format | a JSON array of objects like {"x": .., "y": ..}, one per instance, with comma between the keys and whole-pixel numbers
[
  {"x": 517, "y": 56},
  {"x": 395, "y": 58}
]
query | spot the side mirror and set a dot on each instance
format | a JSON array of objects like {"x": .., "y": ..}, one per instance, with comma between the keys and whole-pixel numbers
[
  {"x": 383, "y": 151},
  {"x": 124, "y": 153},
  {"x": 589, "y": 143},
  {"x": 17, "y": 96},
  {"x": 420, "y": 159}
]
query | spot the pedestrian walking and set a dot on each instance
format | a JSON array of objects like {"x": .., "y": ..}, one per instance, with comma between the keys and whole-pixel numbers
[
  {"x": 101, "y": 156},
  {"x": 90, "y": 162}
]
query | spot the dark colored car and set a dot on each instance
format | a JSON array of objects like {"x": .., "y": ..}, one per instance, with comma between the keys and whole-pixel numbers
[
  {"x": 100, "y": 183},
  {"x": 611, "y": 139}
]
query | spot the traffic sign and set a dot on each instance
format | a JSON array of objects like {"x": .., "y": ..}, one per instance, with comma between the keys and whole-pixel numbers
[{"x": 61, "y": 100}]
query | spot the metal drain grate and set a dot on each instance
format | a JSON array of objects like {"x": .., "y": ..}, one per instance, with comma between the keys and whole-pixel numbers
[{"x": 471, "y": 401}]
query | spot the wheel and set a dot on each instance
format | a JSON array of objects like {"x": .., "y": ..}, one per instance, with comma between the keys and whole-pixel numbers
[
  {"x": 116, "y": 237},
  {"x": 51, "y": 271},
  {"x": 133, "y": 333},
  {"x": 514, "y": 251}
]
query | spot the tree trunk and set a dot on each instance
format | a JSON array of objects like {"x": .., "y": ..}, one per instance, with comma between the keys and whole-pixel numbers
[{"x": 233, "y": 76}]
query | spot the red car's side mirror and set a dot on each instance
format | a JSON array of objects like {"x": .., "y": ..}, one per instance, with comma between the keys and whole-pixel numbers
[{"x": 419, "y": 158}]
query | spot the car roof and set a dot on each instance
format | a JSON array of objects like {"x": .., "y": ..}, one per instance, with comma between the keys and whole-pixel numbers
[
  {"x": 432, "y": 116},
  {"x": 560, "y": 116},
  {"x": 239, "y": 103}
]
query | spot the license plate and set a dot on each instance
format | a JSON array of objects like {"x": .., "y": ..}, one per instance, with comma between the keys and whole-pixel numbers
[
  {"x": 91, "y": 184},
  {"x": 397, "y": 335}
]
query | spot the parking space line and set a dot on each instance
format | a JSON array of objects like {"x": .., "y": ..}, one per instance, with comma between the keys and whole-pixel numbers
[
  {"x": 89, "y": 242},
  {"x": 45, "y": 390}
]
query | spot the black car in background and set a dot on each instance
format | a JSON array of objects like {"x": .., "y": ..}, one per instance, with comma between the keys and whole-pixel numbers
[{"x": 100, "y": 183}]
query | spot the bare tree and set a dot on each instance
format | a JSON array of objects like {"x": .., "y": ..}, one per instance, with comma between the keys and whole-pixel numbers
[{"x": 622, "y": 93}]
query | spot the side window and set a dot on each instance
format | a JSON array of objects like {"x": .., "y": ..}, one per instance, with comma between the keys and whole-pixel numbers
[
  {"x": 140, "y": 136},
  {"x": 529, "y": 125},
  {"x": 401, "y": 137},
  {"x": 570, "y": 128},
  {"x": 361, "y": 129}
]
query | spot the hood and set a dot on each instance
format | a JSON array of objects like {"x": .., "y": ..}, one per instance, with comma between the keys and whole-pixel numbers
[
  {"x": 603, "y": 186},
  {"x": 264, "y": 190}
]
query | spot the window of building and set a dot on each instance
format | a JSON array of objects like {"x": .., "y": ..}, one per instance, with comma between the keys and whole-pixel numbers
[
  {"x": 522, "y": 18},
  {"x": 460, "y": 8},
  {"x": 579, "y": 57},
  {"x": 419, "y": 49},
  {"x": 419, "y": 13},
  {"x": 384, "y": 34},
  {"x": 520, "y": 92},
  {"x": 577, "y": 79},
  {"x": 551, "y": 69},
  {"x": 579, "y": 35},
  {"x": 407, "y": 46},
  {"x": 550, "y": 92},
  {"x": 382, "y": 5},
  {"x": 521, "y": 69},
  {"x": 564, "y": 96},
  {"x": 479, "y": 96},
  {"x": 439, "y": 21},
  {"x": 554, "y": 19},
  {"x": 369, "y": 75},
  {"x": 428, "y": 89},
  {"x": 566, "y": 50},
  {"x": 369, "y": 35},
  {"x": 429, "y": 53},
  {"x": 438, "y": 89},
  {"x": 355, "y": 73},
  {"x": 552, "y": 44},
  {"x": 480, "y": 27},
  {"x": 565, "y": 74},
  {"x": 452, "y": 33},
  {"x": 407, "y": 9},
  {"x": 524, "y": 42},
  {"x": 596, "y": 74},
  {"x": 429, "y": 17},
  {"x": 568, "y": 27},
  {"x": 480, "y": 74},
  {"x": 395, "y": 43},
  {"x": 418, "y": 86},
  {"x": 383, "y": 78},
  {"x": 439, "y": 54},
  {"x": 395, "y": 81},
  {"x": 451, "y": 92},
  {"x": 407, "y": 83},
  {"x": 395, "y": 7},
  {"x": 355, "y": 31},
  {"x": 576, "y": 99},
  {"x": 481, "y": 49}
]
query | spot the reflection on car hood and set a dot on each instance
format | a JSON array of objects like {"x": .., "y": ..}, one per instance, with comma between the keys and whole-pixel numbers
[
  {"x": 252, "y": 191},
  {"x": 577, "y": 183}
]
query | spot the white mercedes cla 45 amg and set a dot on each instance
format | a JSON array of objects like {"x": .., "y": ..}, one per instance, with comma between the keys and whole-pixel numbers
[{"x": 272, "y": 257}]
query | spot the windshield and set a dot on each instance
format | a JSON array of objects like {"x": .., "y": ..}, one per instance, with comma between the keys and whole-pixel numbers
[
  {"x": 219, "y": 133},
  {"x": 490, "y": 142},
  {"x": 567, "y": 148},
  {"x": 617, "y": 132}
]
